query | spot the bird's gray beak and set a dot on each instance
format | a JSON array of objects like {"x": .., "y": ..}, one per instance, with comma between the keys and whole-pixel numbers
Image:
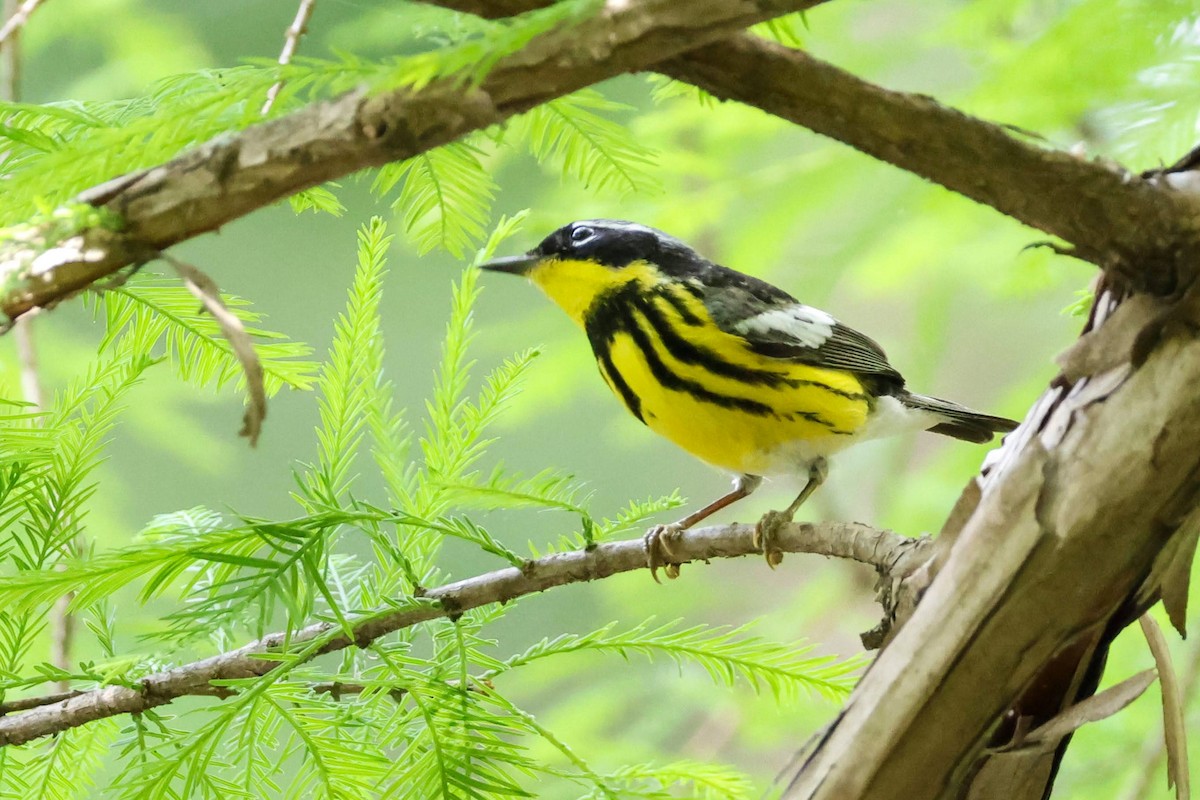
[{"x": 515, "y": 265}]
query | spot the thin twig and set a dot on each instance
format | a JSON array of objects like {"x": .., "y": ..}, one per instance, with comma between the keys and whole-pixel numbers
[
  {"x": 208, "y": 293},
  {"x": 884, "y": 550},
  {"x": 1155, "y": 749},
  {"x": 1174, "y": 725},
  {"x": 17, "y": 18},
  {"x": 26, "y": 703},
  {"x": 339, "y": 689},
  {"x": 10, "y": 52},
  {"x": 31, "y": 381},
  {"x": 335, "y": 688},
  {"x": 291, "y": 42},
  {"x": 62, "y": 629},
  {"x": 62, "y": 623}
]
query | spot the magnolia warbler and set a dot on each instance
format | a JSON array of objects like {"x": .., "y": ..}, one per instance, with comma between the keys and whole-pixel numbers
[{"x": 734, "y": 370}]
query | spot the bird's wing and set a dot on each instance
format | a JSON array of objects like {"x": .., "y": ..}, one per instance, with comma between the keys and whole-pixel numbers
[{"x": 775, "y": 324}]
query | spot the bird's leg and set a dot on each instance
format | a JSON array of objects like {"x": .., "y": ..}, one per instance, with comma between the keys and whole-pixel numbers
[
  {"x": 657, "y": 541},
  {"x": 768, "y": 527}
]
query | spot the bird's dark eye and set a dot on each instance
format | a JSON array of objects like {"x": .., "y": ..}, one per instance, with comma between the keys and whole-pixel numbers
[{"x": 581, "y": 234}]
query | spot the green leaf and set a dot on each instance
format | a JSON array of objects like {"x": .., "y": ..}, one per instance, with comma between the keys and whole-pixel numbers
[
  {"x": 547, "y": 489},
  {"x": 318, "y": 198},
  {"x": 352, "y": 368},
  {"x": 569, "y": 133},
  {"x": 175, "y": 548},
  {"x": 149, "y": 314},
  {"x": 445, "y": 197},
  {"x": 726, "y": 654},
  {"x": 700, "y": 780},
  {"x": 788, "y": 30},
  {"x": 69, "y": 766}
]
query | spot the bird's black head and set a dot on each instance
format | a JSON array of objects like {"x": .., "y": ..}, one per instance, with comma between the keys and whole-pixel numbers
[{"x": 612, "y": 243}]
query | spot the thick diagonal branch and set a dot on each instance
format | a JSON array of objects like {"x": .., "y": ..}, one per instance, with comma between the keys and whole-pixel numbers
[
  {"x": 1106, "y": 213},
  {"x": 892, "y": 555},
  {"x": 1076, "y": 527},
  {"x": 234, "y": 175},
  {"x": 1110, "y": 216}
]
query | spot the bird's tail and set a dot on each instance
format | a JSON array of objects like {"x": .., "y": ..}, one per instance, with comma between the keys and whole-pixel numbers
[{"x": 958, "y": 421}]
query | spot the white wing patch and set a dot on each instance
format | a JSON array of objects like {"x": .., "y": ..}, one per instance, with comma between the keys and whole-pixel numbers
[{"x": 805, "y": 325}]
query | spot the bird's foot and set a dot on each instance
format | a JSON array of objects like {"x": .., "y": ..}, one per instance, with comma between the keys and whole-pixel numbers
[
  {"x": 765, "y": 534},
  {"x": 657, "y": 544}
]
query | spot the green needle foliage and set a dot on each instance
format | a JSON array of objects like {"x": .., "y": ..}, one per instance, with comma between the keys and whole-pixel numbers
[
  {"x": 444, "y": 196},
  {"x": 399, "y": 490},
  {"x": 159, "y": 312},
  {"x": 445, "y": 199},
  {"x": 418, "y": 714},
  {"x": 729, "y": 656},
  {"x": 588, "y": 147}
]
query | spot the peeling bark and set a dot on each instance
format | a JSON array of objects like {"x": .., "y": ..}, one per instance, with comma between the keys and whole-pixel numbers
[
  {"x": 1057, "y": 557},
  {"x": 1084, "y": 519},
  {"x": 1087, "y": 517}
]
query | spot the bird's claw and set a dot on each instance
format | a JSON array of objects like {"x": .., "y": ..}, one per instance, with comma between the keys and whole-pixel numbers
[
  {"x": 657, "y": 544},
  {"x": 765, "y": 534}
]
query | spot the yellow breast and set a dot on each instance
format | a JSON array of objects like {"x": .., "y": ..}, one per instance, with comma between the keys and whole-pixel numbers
[
  {"x": 704, "y": 389},
  {"x": 754, "y": 429}
]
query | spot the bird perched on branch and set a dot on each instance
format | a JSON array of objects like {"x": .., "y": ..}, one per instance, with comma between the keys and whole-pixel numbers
[{"x": 732, "y": 369}]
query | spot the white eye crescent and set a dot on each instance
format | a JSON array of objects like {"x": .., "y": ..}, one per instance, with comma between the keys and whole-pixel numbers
[{"x": 581, "y": 234}]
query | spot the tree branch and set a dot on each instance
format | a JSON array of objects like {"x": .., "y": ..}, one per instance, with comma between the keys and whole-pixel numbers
[
  {"x": 291, "y": 43},
  {"x": 20, "y": 15},
  {"x": 62, "y": 622},
  {"x": 1111, "y": 217},
  {"x": 231, "y": 176},
  {"x": 1097, "y": 488},
  {"x": 1154, "y": 751},
  {"x": 1032, "y": 578},
  {"x": 892, "y": 555},
  {"x": 26, "y": 703}
]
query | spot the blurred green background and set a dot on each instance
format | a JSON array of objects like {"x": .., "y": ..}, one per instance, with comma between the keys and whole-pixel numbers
[{"x": 963, "y": 308}]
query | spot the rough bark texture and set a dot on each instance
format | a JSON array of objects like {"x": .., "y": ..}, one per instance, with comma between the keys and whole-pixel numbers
[
  {"x": 231, "y": 176},
  {"x": 893, "y": 556},
  {"x": 1110, "y": 216},
  {"x": 1081, "y": 522},
  {"x": 1053, "y": 559},
  {"x": 1016, "y": 612}
]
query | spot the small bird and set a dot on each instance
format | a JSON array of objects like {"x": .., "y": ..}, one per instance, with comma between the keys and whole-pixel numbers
[{"x": 734, "y": 370}]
